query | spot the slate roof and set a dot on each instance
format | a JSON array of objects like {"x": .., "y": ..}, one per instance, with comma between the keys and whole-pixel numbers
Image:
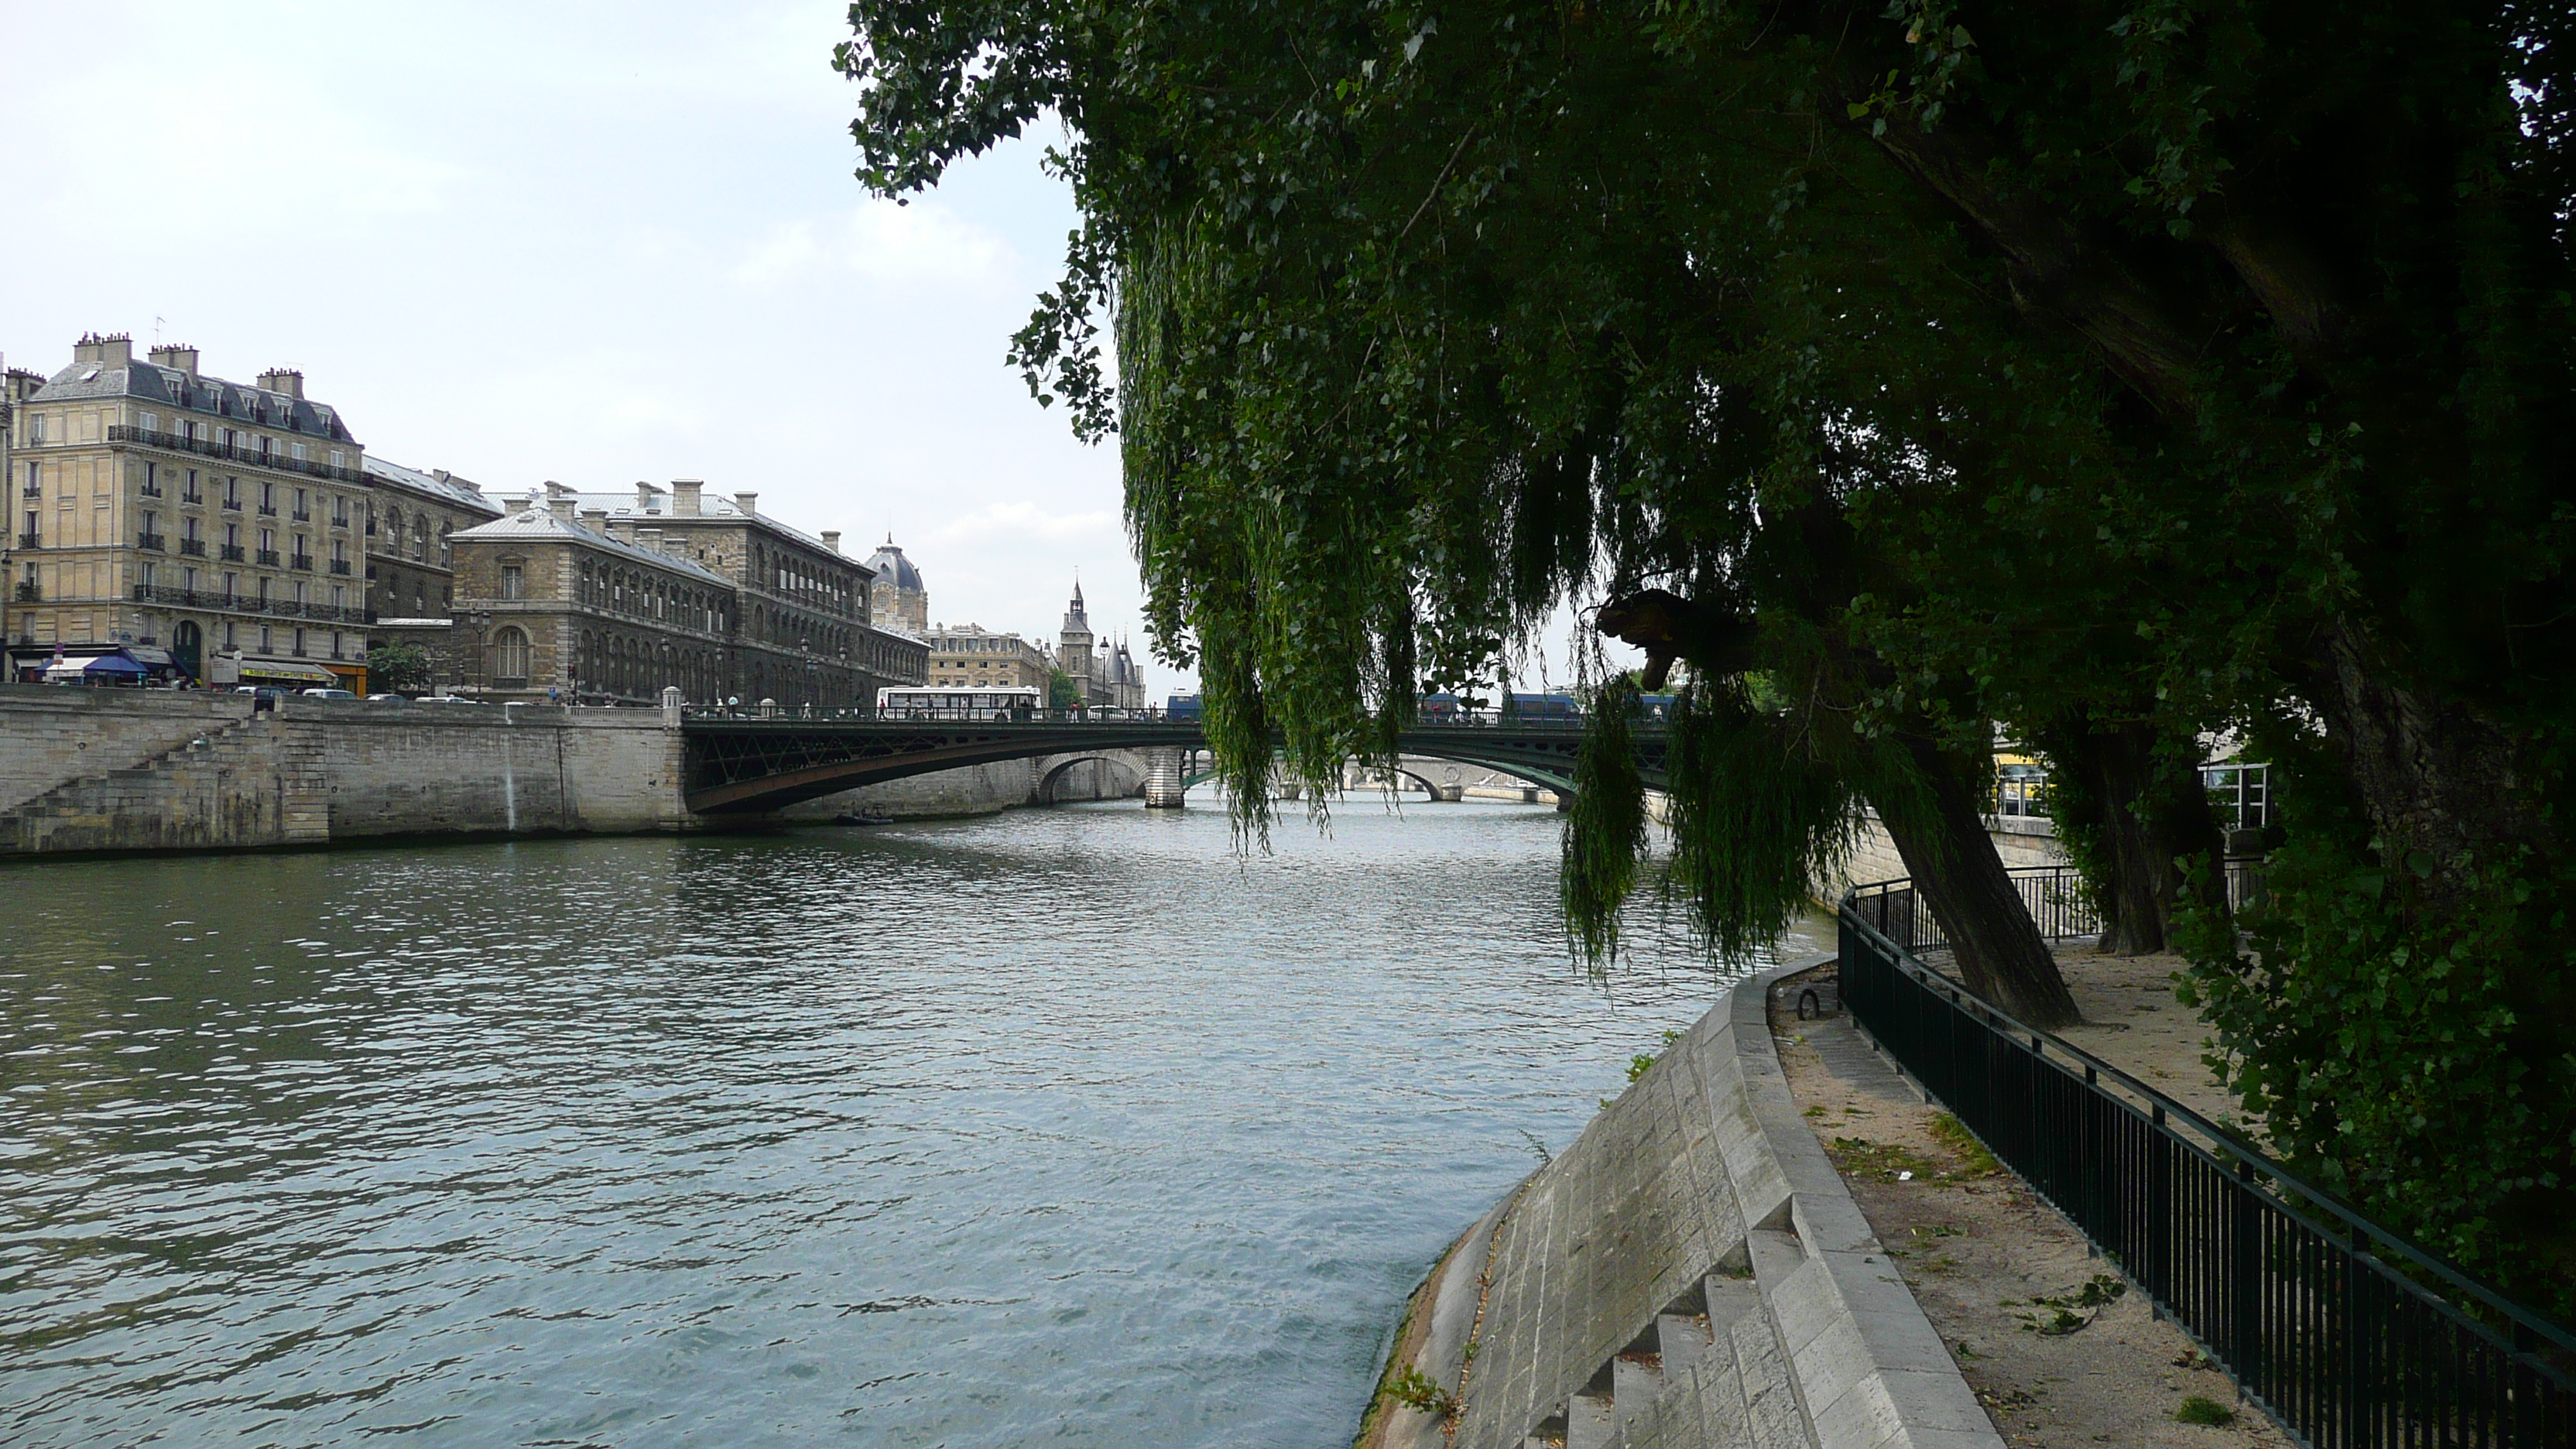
[
  {"x": 211, "y": 396},
  {"x": 890, "y": 559},
  {"x": 455, "y": 492},
  {"x": 538, "y": 523},
  {"x": 622, "y": 504}
]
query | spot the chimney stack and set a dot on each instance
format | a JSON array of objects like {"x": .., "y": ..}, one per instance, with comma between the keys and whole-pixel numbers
[
  {"x": 283, "y": 379},
  {"x": 684, "y": 496},
  {"x": 595, "y": 519},
  {"x": 114, "y": 349},
  {"x": 747, "y": 502},
  {"x": 649, "y": 539},
  {"x": 832, "y": 539},
  {"x": 645, "y": 493},
  {"x": 182, "y": 358}
]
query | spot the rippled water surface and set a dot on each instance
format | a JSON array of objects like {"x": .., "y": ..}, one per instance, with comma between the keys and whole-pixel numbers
[{"x": 1058, "y": 1127}]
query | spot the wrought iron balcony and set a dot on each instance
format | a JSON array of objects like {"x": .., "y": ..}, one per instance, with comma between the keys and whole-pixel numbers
[
  {"x": 150, "y": 490},
  {"x": 156, "y": 542},
  {"x": 233, "y": 504},
  {"x": 302, "y": 561},
  {"x": 28, "y": 593},
  {"x": 193, "y": 547},
  {"x": 197, "y": 499},
  {"x": 268, "y": 510},
  {"x": 267, "y": 558},
  {"x": 32, "y": 490},
  {"x": 232, "y": 553},
  {"x": 211, "y": 448},
  {"x": 29, "y": 540},
  {"x": 340, "y": 566},
  {"x": 300, "y": 516}
]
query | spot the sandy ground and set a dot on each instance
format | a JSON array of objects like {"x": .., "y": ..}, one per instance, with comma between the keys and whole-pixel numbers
[{"x": 2003, "y": 1278}]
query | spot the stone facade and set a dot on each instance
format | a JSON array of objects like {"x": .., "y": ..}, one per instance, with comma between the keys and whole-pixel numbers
[
  {"x": 897, "y": 598},
  {"x": 156, "y": 505},
  {"x": 1106, "y": 674},
  {"x": 968, "y": 656},
  {"x": 805, "y": 632},
  {"x": 548, "y": 608},
  {"x": 411, "y": 516}
]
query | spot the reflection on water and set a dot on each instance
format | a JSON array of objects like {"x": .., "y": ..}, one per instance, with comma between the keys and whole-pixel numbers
[{"x": 1060, "y": 1125}]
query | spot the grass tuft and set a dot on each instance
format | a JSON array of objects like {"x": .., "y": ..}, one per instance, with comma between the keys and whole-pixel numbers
[
  {"x": 1976, "y": 1161},
  {"x": 2197, "y": 1410}
]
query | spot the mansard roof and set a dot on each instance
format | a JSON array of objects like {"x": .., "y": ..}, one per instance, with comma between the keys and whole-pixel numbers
[
  {"x": 212, "y": 396},
  {"x": 452, "y": 491}
]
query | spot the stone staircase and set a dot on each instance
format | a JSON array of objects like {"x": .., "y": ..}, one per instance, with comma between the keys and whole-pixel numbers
[
  {"x": 249, "y": 782},
  {"x": 1712, "y": 1371}
]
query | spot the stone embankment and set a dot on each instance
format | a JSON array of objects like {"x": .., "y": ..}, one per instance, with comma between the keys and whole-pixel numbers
[
  {"x": 1691, "y": 1272},
  {"x": 119, "y": 770}
]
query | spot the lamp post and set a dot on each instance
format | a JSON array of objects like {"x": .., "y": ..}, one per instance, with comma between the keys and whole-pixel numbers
[{"x": 478, "y": 622}]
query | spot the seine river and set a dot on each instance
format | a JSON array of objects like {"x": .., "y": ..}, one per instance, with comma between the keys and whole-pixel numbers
[{"x": 1061, "y": 1127}]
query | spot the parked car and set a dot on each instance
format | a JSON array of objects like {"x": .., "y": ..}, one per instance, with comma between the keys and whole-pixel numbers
[
  {"x": 263, "y": 691},
  {"x": 388, "y": 698},
  {"x": 447, "y": 699},
  {"x": 329, "y": 694}
]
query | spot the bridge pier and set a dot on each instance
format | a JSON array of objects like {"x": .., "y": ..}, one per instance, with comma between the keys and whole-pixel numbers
[{"x": 1163, "y": 780}]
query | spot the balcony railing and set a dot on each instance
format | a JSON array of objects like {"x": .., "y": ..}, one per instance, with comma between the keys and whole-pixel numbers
[
  {"x": 232, "y": 553},
  {"x": 302, "y": 561},
  {"x": 340, "y": 566},
  {"x": 267, "y": 558},
  {"x": 300, "y": 516},
  {"x": 193, "y": 499},
  {"x": 32, "y": 490},
  {"x": 268, "y": 510},
  {"x": 150, "y": 490},
  {"x": 29, "y": 540},
  {"x": 193, "y": 547},
  {"x": 211, "y": 448},
  {"x": 28, "y": 593},
  {"x": 152, "y": 541},
  {"x": 232, "y": 505}
]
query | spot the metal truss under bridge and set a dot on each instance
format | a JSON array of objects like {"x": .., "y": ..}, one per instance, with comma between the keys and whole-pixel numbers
[{"x": 744, "y": 761}]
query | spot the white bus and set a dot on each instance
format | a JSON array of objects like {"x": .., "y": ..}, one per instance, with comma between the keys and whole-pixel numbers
[{"x": 1017, "y": 703}]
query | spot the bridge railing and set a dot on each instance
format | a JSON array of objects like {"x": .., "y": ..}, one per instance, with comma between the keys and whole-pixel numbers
[
  {"x": 870, "y": 714},
  {"x": 2347, "y": 1333}
]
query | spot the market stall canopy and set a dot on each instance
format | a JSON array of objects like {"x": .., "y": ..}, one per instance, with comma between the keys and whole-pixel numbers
[
  {"x": 286, "y": 671},
  {"x": 74, "y": 666}
]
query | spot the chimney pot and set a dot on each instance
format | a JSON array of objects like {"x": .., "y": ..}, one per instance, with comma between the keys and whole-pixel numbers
[
  {"x": 283, "y": 379},
  {"x": 113, "y": 349},
  {"x": 177, "y": 356}
]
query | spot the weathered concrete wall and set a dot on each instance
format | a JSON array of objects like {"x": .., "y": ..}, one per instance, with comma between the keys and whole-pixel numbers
[
  {"x": 1690, "y": 1274},
  {"x": 148, "y": 770},
  {"x": 987, "y": 789}
]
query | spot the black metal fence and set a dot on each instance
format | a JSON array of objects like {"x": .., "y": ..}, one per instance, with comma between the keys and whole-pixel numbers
[{"x": 2320, "y": 1316}]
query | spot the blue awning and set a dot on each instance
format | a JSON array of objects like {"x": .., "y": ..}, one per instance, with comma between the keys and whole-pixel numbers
[{"x": 105, "y": 664}]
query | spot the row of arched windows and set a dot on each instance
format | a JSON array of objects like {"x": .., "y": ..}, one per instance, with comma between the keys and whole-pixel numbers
[{"x": 647, "y": 595}]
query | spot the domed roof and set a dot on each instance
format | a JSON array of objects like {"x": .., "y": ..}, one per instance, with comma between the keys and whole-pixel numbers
[{"x": 893, "y": 568}]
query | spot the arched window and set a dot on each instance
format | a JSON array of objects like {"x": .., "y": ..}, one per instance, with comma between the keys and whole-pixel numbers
[{"x": 510, "y": 658}]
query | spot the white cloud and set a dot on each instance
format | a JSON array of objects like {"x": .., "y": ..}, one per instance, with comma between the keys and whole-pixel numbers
[
  {"x": 1026, "y": 520},
  {"x": 883, "y": 243}
]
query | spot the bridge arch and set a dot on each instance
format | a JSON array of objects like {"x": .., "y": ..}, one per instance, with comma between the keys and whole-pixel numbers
[{"x": 1055, "y": 772}]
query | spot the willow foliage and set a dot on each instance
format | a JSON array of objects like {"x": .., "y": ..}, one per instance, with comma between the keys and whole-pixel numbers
[{"x": 2202, "y": 365}]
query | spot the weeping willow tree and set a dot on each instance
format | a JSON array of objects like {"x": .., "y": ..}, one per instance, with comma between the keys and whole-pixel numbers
[{"x": 2177, "y": 368}]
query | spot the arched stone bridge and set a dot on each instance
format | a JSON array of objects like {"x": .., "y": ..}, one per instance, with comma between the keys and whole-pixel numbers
[{"x": 742, "y": 762}]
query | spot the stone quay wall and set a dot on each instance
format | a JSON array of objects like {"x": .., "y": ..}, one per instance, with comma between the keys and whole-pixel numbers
[
  {"x": 1690, "y": 1274},
  {"x": 122, "y": 769},
  {"x": 108, "y": 769}
]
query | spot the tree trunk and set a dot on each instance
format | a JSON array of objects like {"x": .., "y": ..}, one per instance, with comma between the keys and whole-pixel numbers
[{"x": 1941, "y": 833}]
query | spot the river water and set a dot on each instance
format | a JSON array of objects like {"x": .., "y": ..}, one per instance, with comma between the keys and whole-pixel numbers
[{"x": 1061, "y": 1127}]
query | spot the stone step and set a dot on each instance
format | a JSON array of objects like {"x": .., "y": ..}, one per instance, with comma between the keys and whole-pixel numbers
[
  {"x": 1683, "y": 1339},
  {"x": 1590, "y": 1422}
]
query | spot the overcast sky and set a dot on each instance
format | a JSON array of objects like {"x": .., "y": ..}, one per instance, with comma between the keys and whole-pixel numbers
[
  {"x": 582, "y": 241},
  {"x": 570, "y": 240}
]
